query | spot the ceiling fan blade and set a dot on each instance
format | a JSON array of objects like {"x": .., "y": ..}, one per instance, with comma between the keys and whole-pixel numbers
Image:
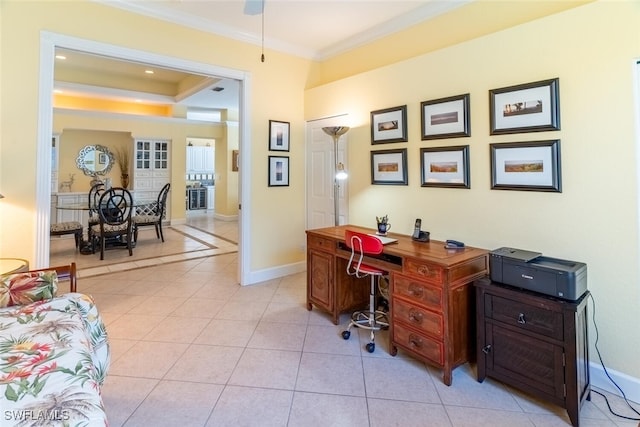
[{"x": 253, "y": 7}]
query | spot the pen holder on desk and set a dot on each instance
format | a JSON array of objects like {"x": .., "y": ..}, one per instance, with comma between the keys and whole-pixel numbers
[{"x": 383, "y": 228}]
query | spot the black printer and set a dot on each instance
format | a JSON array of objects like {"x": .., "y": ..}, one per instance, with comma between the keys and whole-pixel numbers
[{"x": 530, "y": 270}]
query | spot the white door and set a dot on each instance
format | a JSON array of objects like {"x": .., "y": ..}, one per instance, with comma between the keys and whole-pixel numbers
[{"x": 321, "y": 171}]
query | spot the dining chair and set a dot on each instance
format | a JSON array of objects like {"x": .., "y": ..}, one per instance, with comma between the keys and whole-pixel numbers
[
  {"x": 155, "y": 217},
  {"x": 114, "y": 209},
  {"x": 94, "y": 198}
]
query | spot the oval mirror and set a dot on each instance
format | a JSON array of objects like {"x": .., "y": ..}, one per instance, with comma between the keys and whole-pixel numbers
[{"x": 95, "y": 160}]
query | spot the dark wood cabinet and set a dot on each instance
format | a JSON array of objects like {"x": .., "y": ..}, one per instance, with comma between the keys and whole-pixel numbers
[
  {"x": 431, "y": 292},
  {"x": 536, "y": 343}
]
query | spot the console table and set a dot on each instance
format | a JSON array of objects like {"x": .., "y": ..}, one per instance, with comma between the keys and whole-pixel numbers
[
  {"x": 536, "y": 343},
  {"x": 431, "y": 290}
]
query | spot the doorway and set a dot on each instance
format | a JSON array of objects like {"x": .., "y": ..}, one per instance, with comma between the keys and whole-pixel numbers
[
  {"x": 321, "y": 170},
  {"x": 49, "y": 42}
]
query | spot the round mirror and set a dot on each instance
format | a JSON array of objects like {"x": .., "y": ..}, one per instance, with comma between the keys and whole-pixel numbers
[{"x": 95, "y": 160}]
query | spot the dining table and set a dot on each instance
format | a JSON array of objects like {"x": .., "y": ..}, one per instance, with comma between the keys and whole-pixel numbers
[{"x": 86, "y": 247}]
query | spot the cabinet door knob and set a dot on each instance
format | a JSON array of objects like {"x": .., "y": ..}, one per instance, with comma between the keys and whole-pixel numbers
[
  {"x": 416, "y": 290},
  {"x": 415, "y": 316},
  {"x": 521, "y": 319},
  {"x": 415, "y": 341},
  {"x": 486, "y": 349}
]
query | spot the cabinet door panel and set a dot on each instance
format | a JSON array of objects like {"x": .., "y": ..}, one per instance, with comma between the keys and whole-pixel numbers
[
  {"x": 526, "y": 360},
  {"x": 320, "y": 280}
]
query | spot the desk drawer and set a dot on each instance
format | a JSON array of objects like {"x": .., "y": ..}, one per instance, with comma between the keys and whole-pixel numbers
[
  {"x": 422, "y": 345},
  {"x": 423, "y": 320},
  {"x": 425, "y": 271},
  {"x": 528, "y": 317},
  {"x": 315, "y": 242},
  {"x": 429, "y": 296}
]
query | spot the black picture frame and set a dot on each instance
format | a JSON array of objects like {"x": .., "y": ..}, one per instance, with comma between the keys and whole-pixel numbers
[
  {"x": 528, "y": 166},
  {"x": 278, "y": 171},
  {"x": 446, "y": 167},
  {"x": 279, "y": 135},
  {"x": 529, "y": 107},
  {"x": 389, "y": 167},
  {"x": 389, "y": 125},
  {"x": 445, "y": 117}
]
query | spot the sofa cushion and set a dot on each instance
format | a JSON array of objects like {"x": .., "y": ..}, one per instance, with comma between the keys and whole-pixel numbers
[{"x": 28, "y": 287}]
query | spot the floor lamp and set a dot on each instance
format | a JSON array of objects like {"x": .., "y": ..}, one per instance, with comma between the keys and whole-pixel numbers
[{"x": 340, "y": 174}]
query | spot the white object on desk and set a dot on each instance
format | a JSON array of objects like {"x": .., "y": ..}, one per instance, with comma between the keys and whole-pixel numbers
[{"x": 384, "y": 240}]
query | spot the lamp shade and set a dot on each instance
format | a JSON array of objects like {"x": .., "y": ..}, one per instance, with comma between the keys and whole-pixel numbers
[{"x": 335, "y": 131}]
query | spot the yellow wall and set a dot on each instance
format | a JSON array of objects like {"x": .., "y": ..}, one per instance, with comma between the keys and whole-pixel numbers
[
  {"x": 592, "y": 50},
  {"x": 73, "y": 140},
  {"x": 277, "y": 93}
]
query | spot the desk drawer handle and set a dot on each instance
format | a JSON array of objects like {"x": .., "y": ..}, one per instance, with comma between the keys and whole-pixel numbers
[
  {"x": 521, "y": 319},
  {"x": 415, "y": 316},
  {"x": 415, "y": 341},
  {"x": 424, "y": 270},
  {"x": 416, "y": 291}
]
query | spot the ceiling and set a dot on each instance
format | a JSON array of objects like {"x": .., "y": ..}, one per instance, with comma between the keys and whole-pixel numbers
[{"x": 314, "y": 29}]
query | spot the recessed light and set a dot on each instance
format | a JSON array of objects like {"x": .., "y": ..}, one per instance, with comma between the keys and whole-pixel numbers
[
  {"x": 149, "y": 71},
  {"x": 57, "y": 91},
  {"x": 217, "y": 89},
  {"x": 61, "y": 57}
]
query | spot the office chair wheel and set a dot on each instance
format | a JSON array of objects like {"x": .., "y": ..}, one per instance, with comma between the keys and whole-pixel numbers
[
  {"x": 371, "y": 347},
  {"x": 346, "y": 334}
]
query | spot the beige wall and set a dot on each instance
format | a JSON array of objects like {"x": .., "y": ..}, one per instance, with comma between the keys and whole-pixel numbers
[
  {"x": 276, "y": 93},
  {"x": 591, "y": 49}
]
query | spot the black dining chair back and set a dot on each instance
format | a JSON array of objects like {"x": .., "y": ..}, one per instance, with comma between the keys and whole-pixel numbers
[
  {"x": 155, "y": 217},
  {"x": 115, "y": 212},
  {"x": 94, "y": 198}
]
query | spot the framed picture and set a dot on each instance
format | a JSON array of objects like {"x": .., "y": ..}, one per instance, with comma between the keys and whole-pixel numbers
[
  {"x": 389, "y": 167},
  {"x": 389, "y": 125},
  {"x": 278, "y": 136},
  {"x": 278, "y": 171},
  {"x": 531, "y": 166},
  {"x": 530, "y": 107},
  {"x": 445, "y": 117},
  {"x": 445, "y": 167}
]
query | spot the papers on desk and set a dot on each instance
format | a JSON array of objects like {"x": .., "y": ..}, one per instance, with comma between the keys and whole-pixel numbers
[{"x": 384, "y": 240}]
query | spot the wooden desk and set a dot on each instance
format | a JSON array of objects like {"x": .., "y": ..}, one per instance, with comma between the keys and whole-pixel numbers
[{"x": 432, "y": 307}]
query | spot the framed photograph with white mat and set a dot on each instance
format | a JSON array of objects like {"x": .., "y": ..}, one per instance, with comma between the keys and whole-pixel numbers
[
  {"x": 445, "y": 167},
  {"x": 532, "y": 166},
  {"x": 389, "y": 167}
]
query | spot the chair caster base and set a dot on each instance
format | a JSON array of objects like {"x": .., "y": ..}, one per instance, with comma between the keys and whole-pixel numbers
[
  {"x": 346, "y": 334},
  {"x": 371, "y": 347}
]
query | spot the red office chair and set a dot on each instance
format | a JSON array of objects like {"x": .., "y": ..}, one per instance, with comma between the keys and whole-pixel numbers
[{"x": 362, "y": 244}]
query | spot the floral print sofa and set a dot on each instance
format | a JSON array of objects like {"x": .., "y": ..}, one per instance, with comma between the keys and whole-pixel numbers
[{"x": 54, "y": 352}]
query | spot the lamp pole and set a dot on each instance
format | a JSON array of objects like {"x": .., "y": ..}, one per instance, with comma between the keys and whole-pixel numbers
[{"x": 336, "y": 132}]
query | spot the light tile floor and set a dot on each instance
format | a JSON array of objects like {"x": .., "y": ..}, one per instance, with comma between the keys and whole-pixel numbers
[{"x": 190, "y": 347}]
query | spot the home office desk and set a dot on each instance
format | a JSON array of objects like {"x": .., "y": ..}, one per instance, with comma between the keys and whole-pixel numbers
[{"x": 432, "y": 302}]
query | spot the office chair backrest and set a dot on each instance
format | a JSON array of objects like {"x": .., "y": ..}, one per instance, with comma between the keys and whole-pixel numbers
[{"x": 361, "y": 244}]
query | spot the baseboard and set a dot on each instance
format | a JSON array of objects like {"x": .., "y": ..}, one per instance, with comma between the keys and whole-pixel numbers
[
  {"x": 276, "y": 272},
  {"x": 629, "y": 385}
]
